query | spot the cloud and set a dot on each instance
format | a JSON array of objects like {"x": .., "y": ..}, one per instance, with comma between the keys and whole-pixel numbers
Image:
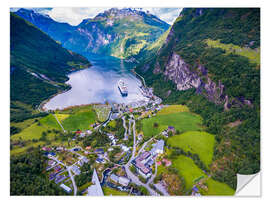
[
  {"x": 166, "y": 14},
  {"x": 75, "y": 16}
]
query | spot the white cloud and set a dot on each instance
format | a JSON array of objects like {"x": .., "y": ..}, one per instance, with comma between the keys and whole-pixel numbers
[
  {"x": 75, "y": 16},
  {"x": 166, "y": 14}
]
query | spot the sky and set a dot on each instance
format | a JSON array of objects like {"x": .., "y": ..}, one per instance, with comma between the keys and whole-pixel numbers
[{"x": 74, "y": 16}]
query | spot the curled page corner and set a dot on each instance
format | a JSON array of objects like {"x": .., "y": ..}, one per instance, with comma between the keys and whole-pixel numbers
[{"x": 248, "y": 185}]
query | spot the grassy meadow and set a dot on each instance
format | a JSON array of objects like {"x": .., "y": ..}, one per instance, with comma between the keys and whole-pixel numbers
[
  {"x": 201, "y": 143},
  {"x": 109, "y": 191},
  {"x": 182, "y": 121},
  {"x": 251, "y": 54},
  {"x": 190, "y": 172},
  {"x": 173, "y": 109}
]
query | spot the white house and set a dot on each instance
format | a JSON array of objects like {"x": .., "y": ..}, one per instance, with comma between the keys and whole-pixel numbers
[
  {"x": 123, "y": 181},
  {"x": 66, "y": 188}
]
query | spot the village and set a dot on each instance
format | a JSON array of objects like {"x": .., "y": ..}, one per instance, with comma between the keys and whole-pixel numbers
[{"x": 133, "y": 173}]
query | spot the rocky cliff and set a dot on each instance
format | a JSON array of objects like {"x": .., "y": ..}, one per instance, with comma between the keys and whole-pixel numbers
[{"x": 188, "y": 62}]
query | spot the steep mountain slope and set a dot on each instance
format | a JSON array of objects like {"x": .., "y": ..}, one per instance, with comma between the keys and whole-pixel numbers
[
  {"x": 38, "y": 66},
  {"x": 210, "y": 61},
  {"x": 117, "y": 32}
]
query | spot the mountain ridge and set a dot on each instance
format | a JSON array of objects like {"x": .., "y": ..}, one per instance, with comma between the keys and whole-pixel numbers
[
  {"x": 122, "y": 33},
  {"x": 38, "y": 67},
  {"x": 215, "y": 81}
]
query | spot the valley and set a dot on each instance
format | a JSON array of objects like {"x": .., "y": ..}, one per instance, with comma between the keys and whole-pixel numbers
[{"x": 188, "y": 122}]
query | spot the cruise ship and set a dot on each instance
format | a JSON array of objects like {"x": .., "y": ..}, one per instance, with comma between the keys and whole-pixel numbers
[{"x": 122, "y": 88}]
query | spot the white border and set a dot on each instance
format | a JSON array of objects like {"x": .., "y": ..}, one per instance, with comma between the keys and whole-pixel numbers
[{"x": 265, "y": 101}]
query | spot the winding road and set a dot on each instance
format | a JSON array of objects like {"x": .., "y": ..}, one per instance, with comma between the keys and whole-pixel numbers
[
  {"x": 124, "y": 125},
  {"x": 133, "y": 177}
]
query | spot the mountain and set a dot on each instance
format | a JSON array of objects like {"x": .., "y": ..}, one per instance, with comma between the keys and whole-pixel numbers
[
  {"x": 38, "y": 66},
  {"x": 210, "y": 61},
  {"x": 122, "y": 33}
]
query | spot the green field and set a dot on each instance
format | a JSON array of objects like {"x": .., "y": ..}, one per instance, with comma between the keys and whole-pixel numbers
[
  {"x": 109, "y": 191},
  {"x": 201, "y": 143},
  {"x": 102, "y": 111},
  {"x": 190, "y": 172},
  {"x": 35, "y": 131},
  {"x": 61, "y": 116},
  {"x": 79, "y": 120},
  {"x": 183, "y": 121},
  {"x": 251, "y": 54},
  {"x": 173, "y": 109}
]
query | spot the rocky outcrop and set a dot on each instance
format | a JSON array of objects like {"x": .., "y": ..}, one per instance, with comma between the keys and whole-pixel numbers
[
  {"x": 177, "y": 71},
  {"x": 180, "y": 73}
]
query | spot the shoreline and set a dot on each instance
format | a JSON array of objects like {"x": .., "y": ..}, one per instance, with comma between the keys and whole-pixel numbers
[
  {"x": 143, "y": 87},
  {"x": 41, "y": 105},
  {"x": 139, "y": 77}
]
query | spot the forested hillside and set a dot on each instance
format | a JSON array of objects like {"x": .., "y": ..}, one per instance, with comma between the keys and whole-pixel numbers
[
  {"x": 122, "y": 33},
  {"x": 38, "y": 67},
  {"x": 210, "y": 62}
]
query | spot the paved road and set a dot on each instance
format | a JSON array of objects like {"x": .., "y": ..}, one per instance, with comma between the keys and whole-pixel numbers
[
  {"x": 59, "y": 123},
  {"x": 136, "y": 180},
  {"x": 153, "y": 176},
  {"x": 129, "y": 126},
  {"x": 72, "y": 179},
  {"x": 124, "y": 125},
  {"x": 133, "y": 177},
  {"x": 144, "y": 144},
  {"x": 69, "y": 172}
]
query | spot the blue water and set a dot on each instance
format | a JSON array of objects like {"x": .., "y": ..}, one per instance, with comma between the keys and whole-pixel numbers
[{"x": 98, "y": 84}]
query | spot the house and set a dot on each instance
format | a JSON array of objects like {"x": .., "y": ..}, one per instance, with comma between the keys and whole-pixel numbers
[
  {"x": 124, "y": 148},
  {"x": 78, "y": 132},
  {"x": 123, "y": 181},
  {"x": 141, "y": 166},
  {"x": 164, "y": 133},
  {"x": 99, "y": 151},
  {"x": 89, "y": 132},
  {"x": 195, "y": 191},
  {"x": 46, "y": 149},
  {"x": 150, "y": 162},
  {"x": 66, "y": 188},
  {"x": 100, "y": 160},
  {"x": 52, "y": 176},
  {"x": 82, "y": 135},
  {"x": 114, "y": 178},
  {"x": 59, "y": 178},
  {"x": 140, "y": 137},
  {"x": 88, "y": 148},
  {"x": 158, "y": 148},
  {"x": 167, "y": 162},
  {"x": 57, "y": 168},
  {"x": 75, "y": 169},
  {"x": 59, "y": 149},
  {"x": 95, "y": 189},
  {"x": 51, "y": 163},
  {"x": 115, "y": 108},
  {"x": 171, "y": 128}
]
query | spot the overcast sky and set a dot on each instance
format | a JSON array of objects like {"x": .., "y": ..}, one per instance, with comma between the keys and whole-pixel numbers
[{"x": 74, "y": 16}]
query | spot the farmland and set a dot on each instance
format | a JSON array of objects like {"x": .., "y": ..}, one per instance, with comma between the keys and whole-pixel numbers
[
  {"x": 190, "y": 172},
  {"x": 251, "y": 54},
  {"x": 173, "y": 109},
  {"x": 183, "y": 121},
  {"x": 201, "y": 143}
]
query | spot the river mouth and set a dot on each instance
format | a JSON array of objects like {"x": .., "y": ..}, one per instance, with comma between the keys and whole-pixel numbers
[{"x": 98, "y": 84}]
